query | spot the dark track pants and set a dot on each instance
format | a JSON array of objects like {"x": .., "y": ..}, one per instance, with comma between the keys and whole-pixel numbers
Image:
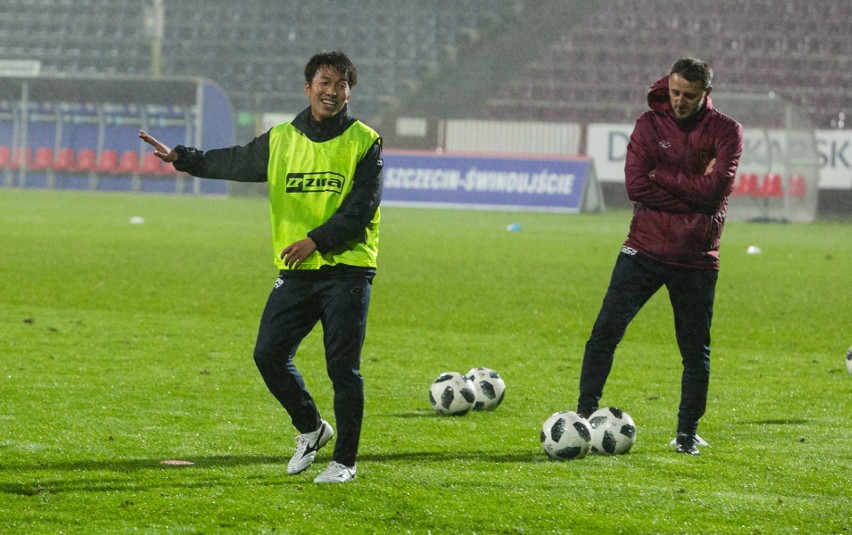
[
  {"x": 294, "y": 307},
  {"x": 635, "y": 279}
]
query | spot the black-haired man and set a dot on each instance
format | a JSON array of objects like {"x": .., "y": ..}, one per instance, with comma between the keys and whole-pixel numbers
[{"x": 324, "y": 170}]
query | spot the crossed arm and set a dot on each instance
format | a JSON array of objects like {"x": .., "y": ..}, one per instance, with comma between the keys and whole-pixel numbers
[{"x": 671, "y": 188}]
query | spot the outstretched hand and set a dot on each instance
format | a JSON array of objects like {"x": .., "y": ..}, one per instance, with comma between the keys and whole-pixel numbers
[{"x": 163, "y": 152}]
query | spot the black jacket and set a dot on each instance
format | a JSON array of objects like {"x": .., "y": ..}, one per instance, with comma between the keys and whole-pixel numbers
[{"x": 249, "y": 163}]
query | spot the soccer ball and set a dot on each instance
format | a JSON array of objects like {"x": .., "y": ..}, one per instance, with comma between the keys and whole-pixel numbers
[
  {"x": 489, "y": 388},
  {"x": 452, "y": 394},
  {"x": 566, "y": 435},
  {"x": 613, "y": 431},
  {"x": 849, "y": 360}
]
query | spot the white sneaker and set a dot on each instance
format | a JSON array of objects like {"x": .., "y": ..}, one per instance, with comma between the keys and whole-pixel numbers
[
  {"x": 307, "y": 446},
  {"x": 336, "y": 473},
  {"x": 698, "y": 440}
]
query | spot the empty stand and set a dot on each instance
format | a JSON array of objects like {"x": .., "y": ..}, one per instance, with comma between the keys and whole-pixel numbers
[
  {"x": 793, "y": 49},
  {"x": 797, "y": 49},
  {"x": 255, "y": 50},
  {"x": 598, "y": 70}
]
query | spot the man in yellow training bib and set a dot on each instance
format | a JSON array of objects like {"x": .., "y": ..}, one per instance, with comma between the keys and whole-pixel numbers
[{"x": 324, "y": 172}]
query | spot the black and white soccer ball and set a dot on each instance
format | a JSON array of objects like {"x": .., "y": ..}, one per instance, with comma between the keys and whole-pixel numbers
[
  {"x": 452, "y": 394},
  {"x": 488, "y": 387},
  {"x": 566, "y": 435},
  {"x": 849, "y": 360},
  {"x": 613, "y": 431}
]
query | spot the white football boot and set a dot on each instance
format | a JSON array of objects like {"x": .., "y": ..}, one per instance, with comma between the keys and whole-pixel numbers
[
  {"x": 336, "y": 473},
  {"x": 307, "y": 446}
]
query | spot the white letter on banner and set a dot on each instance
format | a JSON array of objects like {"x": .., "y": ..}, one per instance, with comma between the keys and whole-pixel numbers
[
  {"x": 518, "y": 182},
  {"x": 834, "y": 149},
  {"x": 428, "y": 179},
  {"x": 469, "y": 181},
  {"x": 543, "y": 182},
  {"x": 569, "y": 184},
  {"x": 548, "y": 183}
]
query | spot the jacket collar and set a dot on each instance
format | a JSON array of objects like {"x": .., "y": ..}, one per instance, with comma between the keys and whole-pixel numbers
[{"x": 328, "y": 129}]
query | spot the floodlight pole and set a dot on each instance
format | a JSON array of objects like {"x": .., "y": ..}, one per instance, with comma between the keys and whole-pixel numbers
[{"x": 154, "y": 18}]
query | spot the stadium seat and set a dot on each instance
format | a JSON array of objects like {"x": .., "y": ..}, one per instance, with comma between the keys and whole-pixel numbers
[
  {"x": 151, "y": 165},
  {"x": 64, "y": 160},
  {"x": 771, "y": 186},
  {"x": 169, "y": 169},
  {"x": 790, "y": 50},
  {"x": 5, "y": 157},
  {"x": 129, "y": 162},
  {"x": 798, "y": 186},
  {"x": 86, "y": 160},
  {"x": 108, "y": 162},
  {"x": 20, "y": 158},
  {"x": 747, "y": 184},
  {"x": 43, "y": 159}
]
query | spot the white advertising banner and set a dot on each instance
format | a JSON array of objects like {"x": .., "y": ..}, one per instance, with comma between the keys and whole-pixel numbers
[
  {"x": 607, "y": 146},
  {"x": 835, "y": 158}
]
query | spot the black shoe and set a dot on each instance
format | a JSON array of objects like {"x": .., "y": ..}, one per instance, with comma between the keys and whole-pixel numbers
[
  {"x": 585, "y": 412},
  {"x": 686, "y": 444}
]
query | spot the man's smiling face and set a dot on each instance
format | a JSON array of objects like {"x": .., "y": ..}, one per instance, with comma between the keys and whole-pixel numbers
[{"x": 328, "y": 93}]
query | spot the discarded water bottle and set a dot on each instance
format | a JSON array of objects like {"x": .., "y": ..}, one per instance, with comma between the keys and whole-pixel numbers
[{"x": 513, "y": 227}]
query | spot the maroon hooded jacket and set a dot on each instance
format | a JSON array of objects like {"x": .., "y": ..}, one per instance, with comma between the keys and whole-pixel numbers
[{"x": 679, "y": 212}]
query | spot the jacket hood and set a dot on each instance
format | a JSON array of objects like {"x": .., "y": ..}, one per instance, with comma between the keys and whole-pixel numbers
[{"x": 658, "y": 98}]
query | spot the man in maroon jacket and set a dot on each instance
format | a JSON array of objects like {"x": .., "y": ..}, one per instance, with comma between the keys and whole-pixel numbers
[{"x": 681, "y": 162}]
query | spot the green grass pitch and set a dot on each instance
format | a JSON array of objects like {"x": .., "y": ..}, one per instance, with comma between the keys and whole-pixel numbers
[{"x": 123, "y": 345}]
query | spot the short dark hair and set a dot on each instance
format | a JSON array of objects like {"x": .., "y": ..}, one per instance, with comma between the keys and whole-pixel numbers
[
  {"x": 336, "y": 60},
  {"x": 693, "y": 70}
]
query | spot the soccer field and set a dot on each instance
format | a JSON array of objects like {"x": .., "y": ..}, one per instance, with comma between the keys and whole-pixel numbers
[{"x": 123, "y": 345}]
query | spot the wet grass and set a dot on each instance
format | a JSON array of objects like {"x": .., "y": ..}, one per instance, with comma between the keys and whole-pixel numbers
[{"x": 123, "y": 345}]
